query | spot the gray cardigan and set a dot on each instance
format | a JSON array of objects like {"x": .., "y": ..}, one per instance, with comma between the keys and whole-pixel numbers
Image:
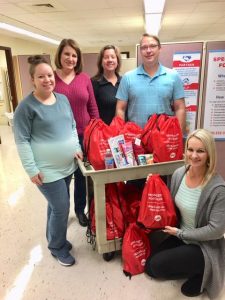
[{"x": 209, "y": 231}]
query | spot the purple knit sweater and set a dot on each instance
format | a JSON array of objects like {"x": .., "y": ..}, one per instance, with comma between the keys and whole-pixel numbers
[{"x": 81, "y": 97}]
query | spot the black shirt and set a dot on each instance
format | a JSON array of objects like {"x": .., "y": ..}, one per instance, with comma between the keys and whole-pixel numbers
[{"x": 105, "y": 95}]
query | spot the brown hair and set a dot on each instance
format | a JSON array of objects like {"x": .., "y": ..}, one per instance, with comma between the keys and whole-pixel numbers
[
  {"x": 155, "y": 37},
  {"x": 73, "y": 44},
  {"x": 34, "y": 61},
  {"x": 100, "y": 58}
]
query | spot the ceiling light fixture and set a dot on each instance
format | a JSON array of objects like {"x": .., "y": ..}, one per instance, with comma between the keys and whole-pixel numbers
[
  {"x": 153, "y": 15},
  {"x": 28, "y": 33}
]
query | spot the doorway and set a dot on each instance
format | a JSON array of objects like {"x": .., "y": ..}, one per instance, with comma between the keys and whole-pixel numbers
[
  {"x": 8, "y": 77},
  {"x": 8, "y": 96}
]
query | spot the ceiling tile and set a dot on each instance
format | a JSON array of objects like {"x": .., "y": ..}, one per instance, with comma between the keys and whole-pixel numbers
[{"x": 94, "y": 23}]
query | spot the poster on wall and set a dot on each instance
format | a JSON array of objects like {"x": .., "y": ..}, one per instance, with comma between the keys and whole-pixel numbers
[
  {"x": 187, "y": 64},
  {"x": 214, "y": 115}
]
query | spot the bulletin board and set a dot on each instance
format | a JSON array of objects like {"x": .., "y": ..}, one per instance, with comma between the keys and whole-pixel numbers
[
  {"x": 213, "y": 103},
  {"x": 213, "y": 115}
]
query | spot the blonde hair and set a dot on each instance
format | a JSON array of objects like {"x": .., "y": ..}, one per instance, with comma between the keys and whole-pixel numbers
[
  {"x": 208, "y": 141},
  {"x": 155, "y": 37}
]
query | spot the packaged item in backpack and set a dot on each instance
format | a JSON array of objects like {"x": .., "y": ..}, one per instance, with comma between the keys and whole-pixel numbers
[
  {"x": 127, "y": 149},
  {"x": 132, "y": 133},
  {"x": 109, "y": 160},
  {"x": 115, "y": 144},
  {"x": 149, "y": 159},
  {"x": 142, "y": 160},
  {"x": 145, "y": 159}
]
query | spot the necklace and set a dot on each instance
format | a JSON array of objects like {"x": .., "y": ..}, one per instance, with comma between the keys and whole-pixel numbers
[{"x": 194, "y": 181}]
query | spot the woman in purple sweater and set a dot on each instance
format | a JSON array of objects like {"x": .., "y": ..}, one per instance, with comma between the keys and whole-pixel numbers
[{"x": 77, "y": 87}]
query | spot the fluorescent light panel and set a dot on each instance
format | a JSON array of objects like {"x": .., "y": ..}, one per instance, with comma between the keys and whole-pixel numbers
[
  {"x": 154, "y": 6},
  {"x": 28, "y": 33},
  {"x": 153, "y": 15},
  {"x": 153, "y": 23}
]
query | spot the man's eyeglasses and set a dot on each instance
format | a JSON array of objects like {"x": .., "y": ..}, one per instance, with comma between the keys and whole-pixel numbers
[{"x": 146, "y": 47}]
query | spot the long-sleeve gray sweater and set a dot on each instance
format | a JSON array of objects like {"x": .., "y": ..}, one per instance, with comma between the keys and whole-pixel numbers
[{"x": 209, "y": 231}]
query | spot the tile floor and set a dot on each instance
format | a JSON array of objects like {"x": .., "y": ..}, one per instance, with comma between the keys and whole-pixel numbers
[{"x": 29, "y": 272}]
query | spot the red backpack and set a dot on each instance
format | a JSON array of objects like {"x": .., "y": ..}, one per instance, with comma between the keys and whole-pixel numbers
[
  {"x": 117, "y": 124},
  {"x": 167, "y": 139},
  {"x": 147, "y": 132},
  {"x": 157, "y": 209},
  {"x": 135, "y": 250},
  {"x": 115, "y": 224},
  {"x": 96, "y": 137},
  {"x": 132, "y": 133},
  {"x": 130, "y": 196}
]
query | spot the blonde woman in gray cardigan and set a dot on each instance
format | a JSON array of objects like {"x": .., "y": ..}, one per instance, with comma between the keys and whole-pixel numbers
[{"x": 196, "y": 250}]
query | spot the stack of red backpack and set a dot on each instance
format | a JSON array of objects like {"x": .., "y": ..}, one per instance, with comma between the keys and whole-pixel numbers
[
  {"x": 161, "y": 136},
  {"x": 130, "y": 214},
  {"x": 156, "y": 211},
  {"x": 122, "y": 207},
  {"x": 97, "y": 134}
]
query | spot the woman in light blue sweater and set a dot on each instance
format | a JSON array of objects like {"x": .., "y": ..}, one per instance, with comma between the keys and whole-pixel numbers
[
  {"x": 48, "y": 146},
  {"x": 195, "y": 250}
]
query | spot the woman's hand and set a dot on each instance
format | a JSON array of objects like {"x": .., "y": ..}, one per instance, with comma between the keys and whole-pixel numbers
[
  {"x": 37, "y": 179},
  {"x": 148, "y": 177},
  {"x": 79, "y": 155},
  {"x": 170, "y": 230}
]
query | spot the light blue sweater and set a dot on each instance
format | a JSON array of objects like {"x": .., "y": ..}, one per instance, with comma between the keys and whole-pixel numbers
[
  {"x": 186, "y": 201},
  {"x": 46, "y": 137}
]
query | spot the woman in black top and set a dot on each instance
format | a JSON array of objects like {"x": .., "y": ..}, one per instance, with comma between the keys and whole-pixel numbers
[{"x": 106, "y": 81}]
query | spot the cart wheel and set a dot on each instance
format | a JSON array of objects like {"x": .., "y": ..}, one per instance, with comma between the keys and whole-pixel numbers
[{"x": 108, "y": 256}]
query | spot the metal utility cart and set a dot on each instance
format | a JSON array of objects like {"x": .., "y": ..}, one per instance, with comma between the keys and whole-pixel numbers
[{"x": 101, "y": 177}]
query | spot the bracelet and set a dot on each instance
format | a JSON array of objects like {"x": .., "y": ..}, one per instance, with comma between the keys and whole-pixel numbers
[{"x": 179, "y": 234}]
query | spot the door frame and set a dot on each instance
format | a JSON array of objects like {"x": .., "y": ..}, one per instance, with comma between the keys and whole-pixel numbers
[{"x": 12, "y": 84}]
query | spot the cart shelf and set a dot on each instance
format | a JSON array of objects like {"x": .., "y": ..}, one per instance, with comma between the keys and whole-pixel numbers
[{"x": 102, "y": 177}]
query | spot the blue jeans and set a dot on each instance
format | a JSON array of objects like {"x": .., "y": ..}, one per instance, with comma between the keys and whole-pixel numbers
[
  {"x": 58, "y": 197},
  {"x": 79, "y": 187}
]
